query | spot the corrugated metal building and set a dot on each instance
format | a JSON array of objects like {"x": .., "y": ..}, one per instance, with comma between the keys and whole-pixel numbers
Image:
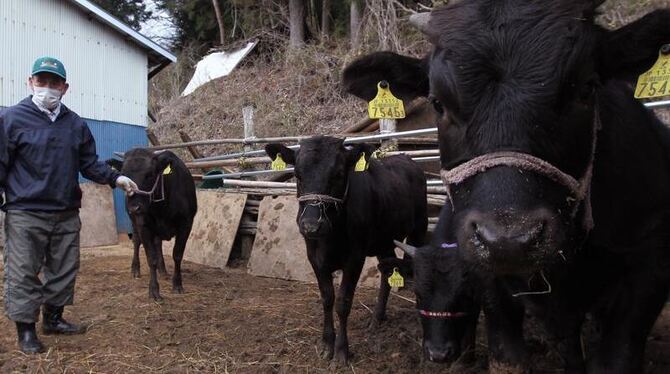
[{"x": 108, "y": 66}]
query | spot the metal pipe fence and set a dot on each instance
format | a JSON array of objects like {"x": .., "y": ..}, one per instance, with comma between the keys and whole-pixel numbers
[{"x": 349, "y": 140}]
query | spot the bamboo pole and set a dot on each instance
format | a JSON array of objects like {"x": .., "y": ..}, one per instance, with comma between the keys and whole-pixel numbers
[
  {"x": 278, "y": 139},
  {"x": 265, "y": 159},
  {"x": 243, "y": 183}
]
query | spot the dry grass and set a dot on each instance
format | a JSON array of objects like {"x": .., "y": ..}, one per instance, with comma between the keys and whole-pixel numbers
[
  {"x": 298, "y": 93},
  {"x": 231, "y": 322}
]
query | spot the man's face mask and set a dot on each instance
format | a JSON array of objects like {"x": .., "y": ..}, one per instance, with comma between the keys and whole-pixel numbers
[{"x": 49, "y": 97}]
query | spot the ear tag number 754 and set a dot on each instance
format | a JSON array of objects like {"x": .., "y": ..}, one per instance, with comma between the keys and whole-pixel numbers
[{"x": 385, "y": 105}]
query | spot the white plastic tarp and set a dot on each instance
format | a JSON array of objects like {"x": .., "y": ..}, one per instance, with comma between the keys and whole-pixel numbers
[{"x": 216, "y": 65}]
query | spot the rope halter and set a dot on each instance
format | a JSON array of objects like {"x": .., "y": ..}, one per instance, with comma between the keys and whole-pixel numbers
[
  {"x": 580, "y": 189},
  {"x": 320, "y": 199},
  {"x": 441, "y": 315},
  {"x": 151, "y": 192}
]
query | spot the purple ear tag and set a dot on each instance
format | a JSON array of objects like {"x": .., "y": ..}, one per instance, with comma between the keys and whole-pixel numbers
[{"x": 449, "y": 245}]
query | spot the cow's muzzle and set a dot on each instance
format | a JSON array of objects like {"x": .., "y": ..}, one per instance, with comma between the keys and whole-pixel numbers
[
  {"x": 511, "y": 243},
  {"x": 440, "y": 353}
]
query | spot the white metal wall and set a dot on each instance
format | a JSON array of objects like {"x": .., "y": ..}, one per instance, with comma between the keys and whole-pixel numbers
[{"x": 107, "y": 73}]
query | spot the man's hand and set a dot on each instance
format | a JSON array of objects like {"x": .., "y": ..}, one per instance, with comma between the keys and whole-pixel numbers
[{"x": 126, "y": 184}]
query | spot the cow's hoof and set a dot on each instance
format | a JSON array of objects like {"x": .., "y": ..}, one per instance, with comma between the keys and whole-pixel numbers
[
  {"x": 157, "y": 298},
  {"x": 375, "y": 323},
  {"x": 135, "y": 274},
  {"x": 327, "y": 352},
  {"x": 177, "y": 289},
  {"x": 341, "y": 361}
]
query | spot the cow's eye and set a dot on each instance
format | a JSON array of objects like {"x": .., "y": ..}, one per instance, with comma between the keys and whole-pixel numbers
[{"x": 437, "y": 105}]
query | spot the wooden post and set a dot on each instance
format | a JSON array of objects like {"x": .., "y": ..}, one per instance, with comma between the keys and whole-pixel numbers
[
  {"x": 248, "y": 116},
  {"x": 249, "y": 133},
  {"x": 387, "y": 126}
]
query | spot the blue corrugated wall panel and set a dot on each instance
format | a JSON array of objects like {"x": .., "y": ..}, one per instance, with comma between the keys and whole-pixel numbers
[{"x": 113, "y": 137}]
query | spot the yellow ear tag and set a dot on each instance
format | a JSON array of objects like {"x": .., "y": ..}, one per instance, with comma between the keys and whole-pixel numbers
[
  {"x": 278, "y": 164},
  {"x": 167, "y": 170},
  {"x": 385, "y": 105},
  {"x": 396, "y": 280},
  {"x": 656, "y": 81},
  {"x": 361, "y": 164}
]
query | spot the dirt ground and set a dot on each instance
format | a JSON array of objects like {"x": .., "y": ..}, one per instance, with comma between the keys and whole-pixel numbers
[{"x": 228, "y": 321}]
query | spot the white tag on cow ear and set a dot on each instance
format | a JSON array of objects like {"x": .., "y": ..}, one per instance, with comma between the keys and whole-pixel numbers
[{"x": 167, "y": 170}]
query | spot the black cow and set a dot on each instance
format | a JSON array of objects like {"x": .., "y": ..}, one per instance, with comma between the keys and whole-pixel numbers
[
  {"x": 519, "y": 82},
  {"x": 163, "y": 209},
  {"x": 447, "y": 294},
  {"x": 346, "y": 215}
]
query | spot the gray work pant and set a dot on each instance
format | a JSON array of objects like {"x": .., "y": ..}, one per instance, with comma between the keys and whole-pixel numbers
[{"x": 46, "y": 242}]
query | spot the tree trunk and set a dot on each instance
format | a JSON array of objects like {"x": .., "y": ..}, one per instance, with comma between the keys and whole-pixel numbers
[
  {"x": 355, "y": 23},
  {"x": 219, "y": 20},
  {"x": 297, "y": 14},
  {"x": 325, "y": 20}
]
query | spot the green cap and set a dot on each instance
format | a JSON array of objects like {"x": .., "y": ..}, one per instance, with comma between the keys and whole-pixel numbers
[{"x": 49, "y": 65}]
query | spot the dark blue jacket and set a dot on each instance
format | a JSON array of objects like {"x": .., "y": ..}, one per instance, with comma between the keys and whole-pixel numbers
[{"x": 40, "y": 160}]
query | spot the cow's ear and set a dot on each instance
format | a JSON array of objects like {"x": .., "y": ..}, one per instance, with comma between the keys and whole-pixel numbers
[
  {"x": 287, "y": 154},
  {"x": 116, "y": 164},
  {"x": 355, "y": 151},
  {"x": 163, "y": 159},
  {"x": 407, "y": 76},
  {"x": 633, "y": 49}
]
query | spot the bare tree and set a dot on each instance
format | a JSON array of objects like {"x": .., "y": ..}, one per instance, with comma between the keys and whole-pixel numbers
[
  {"x": 297, "y": 14},
  {"x": 355, "y": 20},
  {"x": 325, "y": 20},
  {"x": 383, "y": 19},
  {"x": 219, "y": 20}
]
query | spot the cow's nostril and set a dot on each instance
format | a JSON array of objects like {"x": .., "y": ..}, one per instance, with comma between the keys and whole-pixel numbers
[
  {"x": 492, "y": 234},
  {"x": 533, "y": 234},
  {"x": 486, "y": 234},
  {"x": 310, "y": 227},
  {"x": 436, "y": 355}
]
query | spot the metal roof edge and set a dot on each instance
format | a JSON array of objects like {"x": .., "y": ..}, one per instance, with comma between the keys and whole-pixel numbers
[{"x": 123, "y": 28}]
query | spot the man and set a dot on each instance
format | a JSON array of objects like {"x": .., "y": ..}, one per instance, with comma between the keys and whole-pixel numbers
[{"x": 43, "y": 147}]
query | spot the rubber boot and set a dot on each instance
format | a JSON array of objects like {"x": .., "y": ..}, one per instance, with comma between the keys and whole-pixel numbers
[
  {"x": 53, "y": 322},
  {"x": 27, "y": 337}
]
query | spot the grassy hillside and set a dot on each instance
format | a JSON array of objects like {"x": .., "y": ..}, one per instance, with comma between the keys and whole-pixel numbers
[{"x": 296, "y": 93}]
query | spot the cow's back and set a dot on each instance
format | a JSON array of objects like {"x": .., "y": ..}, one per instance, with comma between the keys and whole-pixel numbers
[
  {"x": 632, "y": 171},
  {"x": 386, "y": 202},
  {"x": 630, "y": 199}
]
